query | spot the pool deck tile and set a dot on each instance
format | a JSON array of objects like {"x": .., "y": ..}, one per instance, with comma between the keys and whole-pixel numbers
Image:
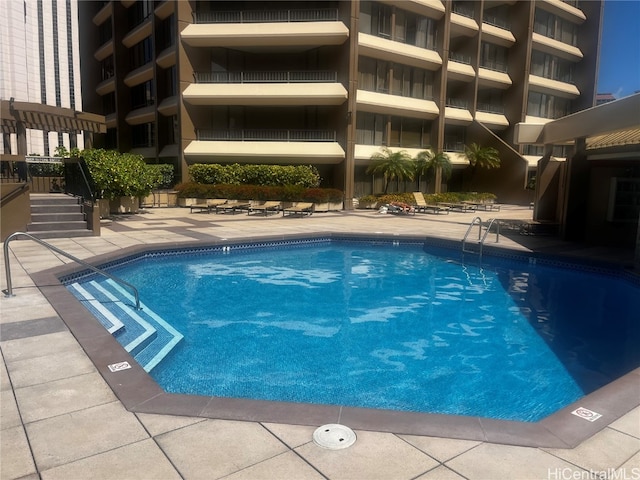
[{"x": 76, "y": 427}]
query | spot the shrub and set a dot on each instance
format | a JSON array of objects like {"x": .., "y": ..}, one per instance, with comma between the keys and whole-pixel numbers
[
  {"x": 118, "y": 174},
  {"x": 266, "y": 175},
  {"x": 160, "y": 175}
]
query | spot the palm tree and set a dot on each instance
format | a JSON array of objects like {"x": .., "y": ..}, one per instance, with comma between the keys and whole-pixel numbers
[
  {"x": 429, "y": 163},
  {"x": 391, "y": 165},
  {"x": 482, "y": 157}
]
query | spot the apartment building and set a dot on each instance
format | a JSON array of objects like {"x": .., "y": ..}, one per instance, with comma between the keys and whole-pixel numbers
[
  {"x": 328, "y": 83},
  {"x": 40, "y": 64}
]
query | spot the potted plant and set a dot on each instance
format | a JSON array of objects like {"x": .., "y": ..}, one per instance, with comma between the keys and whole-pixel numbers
[{"x": 121, "y": 179}]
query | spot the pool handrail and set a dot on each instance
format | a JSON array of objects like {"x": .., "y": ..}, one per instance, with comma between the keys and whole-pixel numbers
[{"x": 9, "y": 290}]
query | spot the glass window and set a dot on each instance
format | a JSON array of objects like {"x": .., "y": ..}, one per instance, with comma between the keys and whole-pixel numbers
[{"x": 370, "y": 129}]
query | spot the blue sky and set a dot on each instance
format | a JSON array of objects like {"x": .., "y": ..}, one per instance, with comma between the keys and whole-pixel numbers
[{"x": 620, "y": 50}]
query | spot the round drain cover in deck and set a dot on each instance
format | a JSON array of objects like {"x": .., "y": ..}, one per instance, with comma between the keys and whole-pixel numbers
[{"x": 334, "y": 436}]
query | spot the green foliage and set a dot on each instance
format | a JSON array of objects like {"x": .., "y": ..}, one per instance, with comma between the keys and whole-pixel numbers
[
  {"x": 274, "y": 175},
  {"x": 397, "y": 197},
  {"x": 160, "y": 175},
  {"x": 482, "y": 157},
  {"x": 457, "y": 197},
  {"x": 61, "y": 151},
  {"x": 119, "y": 174},
  {"x": 427, "y": 163},
  {"x": 288, "y": 193},
  {"x": 392, "y": 165}
]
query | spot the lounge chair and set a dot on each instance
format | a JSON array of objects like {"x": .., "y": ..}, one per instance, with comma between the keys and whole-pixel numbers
[
  {"x": 232, "y": 206},
  {"x": 207, "y": 205},
  {"x": 264, "y": 208},
  {"x": 424, "y": 207},
  {"x": 302, "y": 208}
]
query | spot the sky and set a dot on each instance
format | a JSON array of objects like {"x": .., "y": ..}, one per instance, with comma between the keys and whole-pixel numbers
[{"x": 619, "y": 71}]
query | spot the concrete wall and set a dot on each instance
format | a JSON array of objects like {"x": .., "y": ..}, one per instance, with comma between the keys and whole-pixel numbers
[{"x": 15, "y": 212}]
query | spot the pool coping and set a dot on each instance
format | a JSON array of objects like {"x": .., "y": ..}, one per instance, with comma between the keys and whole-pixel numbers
[{"x": 138, "y": 392}]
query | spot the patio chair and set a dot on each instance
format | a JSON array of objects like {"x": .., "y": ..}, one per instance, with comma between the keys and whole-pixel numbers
[
  {"x": 302, "y": 208},
  {"x": 207, "y": 205},
  {"x": 424, "y": 207},
  {"x": 232, "y": 206},
  {"x": 264, "y": 208}
]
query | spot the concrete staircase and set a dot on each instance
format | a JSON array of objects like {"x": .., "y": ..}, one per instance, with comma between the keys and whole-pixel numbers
[{"x": 57, "y": 215}]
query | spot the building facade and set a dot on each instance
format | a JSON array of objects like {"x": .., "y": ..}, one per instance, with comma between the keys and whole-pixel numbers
[
  {"x": 328, "y": 83},
  {"x": 40, "y": 64}
]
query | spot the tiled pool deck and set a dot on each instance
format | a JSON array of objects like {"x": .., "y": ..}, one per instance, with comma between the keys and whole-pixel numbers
[{"x": 61, "y": 419}]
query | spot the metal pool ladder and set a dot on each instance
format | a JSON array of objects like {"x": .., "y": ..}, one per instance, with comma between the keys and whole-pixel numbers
[
  {"x": 9, "y": 291},
  {"x": 481, "y": 238}
]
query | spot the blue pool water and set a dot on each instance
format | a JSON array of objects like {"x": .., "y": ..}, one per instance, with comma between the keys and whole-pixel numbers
[{"x": 389, "y": 326}]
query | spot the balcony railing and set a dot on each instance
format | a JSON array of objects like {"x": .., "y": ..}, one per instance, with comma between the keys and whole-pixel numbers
[
  {"x": 490, "y": 108},
  {"x": 496, "y": 21},
  {"x": 495, "y": 66},
  {"x": 268, "y": 16},
  {"x": 460, "y": 58},
  {"x": 453, "y": 146},
  {"x": 457, "y": 103},
  {"x": 266, "y": 77},
  {"x": 249, "y": 135},
  {"x": 464, "y": 10}
]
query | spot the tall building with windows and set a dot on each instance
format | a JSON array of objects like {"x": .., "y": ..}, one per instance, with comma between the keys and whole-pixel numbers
[
  {"x": 40, "y": 64},
  {"x": 328, "y": 83}
]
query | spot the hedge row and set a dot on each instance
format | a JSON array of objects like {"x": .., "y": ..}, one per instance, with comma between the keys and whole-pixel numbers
[
  {"x": 287, "y": 193},
  {"x": 273, "y": 175},
  {"x": 431, "y": 198}
]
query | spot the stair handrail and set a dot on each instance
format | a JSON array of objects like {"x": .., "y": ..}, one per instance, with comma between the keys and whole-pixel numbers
[
  {"x": 9, "y": 290},
  {"x": 486, "y": 233},
  {"x": 473, "y": 222},
  {"x": 84, "y": 189}
]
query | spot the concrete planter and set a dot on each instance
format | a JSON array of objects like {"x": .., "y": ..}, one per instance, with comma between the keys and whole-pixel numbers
[
  {"x": 161, "y": 198},
  {"x": 118, "y": 205},
  {"x": 187, "y": 202},
  {"x": 328, "y": 206}
]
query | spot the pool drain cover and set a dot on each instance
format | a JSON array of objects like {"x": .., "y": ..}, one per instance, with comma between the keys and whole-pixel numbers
[{"x": 334, "y": 436}]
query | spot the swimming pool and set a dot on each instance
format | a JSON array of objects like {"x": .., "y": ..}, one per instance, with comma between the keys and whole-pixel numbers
[{"x": 417, "y": 330}]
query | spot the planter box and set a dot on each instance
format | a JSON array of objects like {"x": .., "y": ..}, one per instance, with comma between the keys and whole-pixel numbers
[
  {"x": 328, "y": 206},
  {"x": 118, "y": 205},
  {"x": 161, "y": 198},
  {"x": 187, "y": 202}
]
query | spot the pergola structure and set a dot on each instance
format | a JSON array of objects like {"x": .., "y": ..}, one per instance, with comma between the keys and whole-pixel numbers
[{"x": 17, "y": 117}]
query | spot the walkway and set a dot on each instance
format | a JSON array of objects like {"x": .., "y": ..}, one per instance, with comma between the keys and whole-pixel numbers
[{"x": 60, "y": 419}]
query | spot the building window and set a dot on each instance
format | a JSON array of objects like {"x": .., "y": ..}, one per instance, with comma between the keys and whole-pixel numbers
[
  {"x": 552, "y": 67},
  {"x": 142, "y": 95},
  {"x": 377, "y": 19},
  {"x": 107, "y": 69},
  {"x": 166, "y": 33},
  {"x": 141, "y": 53},
  {"x": 109, "y": 103},
  {"x": 139, "y": 12},
  {"x": 407, "y": 81},
  {"x": 371, "y": 129},
  {"x": 549, "y": 25},
  {"x": 142, "y": 136},
  {"x": 410, "y": 133},
  {"x": 111, "y": 139},
  {"x": 105, "y": 31},
  {"x": 493, "y": 57},
  {"x": 547, "y": 106},
  {"x": 454, "y": 138}
]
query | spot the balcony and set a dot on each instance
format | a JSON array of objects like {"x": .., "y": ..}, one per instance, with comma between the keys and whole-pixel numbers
[
  {"x": 556, "y": 47},
  {"x": 375, "y": 102},
  {"x": 564, "y": 10},
  {"x": 103, "y": 14},
  {"x": 265, "y": 88},
  {"x": 492, "y": 116},
  {"x": 268, "y": 28},
  {"x": 145, "y": 114},
  {"x": 139, "y": 75},
  {"x": 383, "y": 49},
  {"x": 459, "y": 67},
  {"x": 497, "y": 35},
  {"x": 427, "y": 8},
  {"x": 493, "y": 77},
  {"x": 106, "y": 86},
  {"x": 296, "y": 146},
  {"x": 167, "y": 57},
  {"x": 553, "y": 87},
  {"x": 104, "y": 51},
  {"x": 138, "y": 34},
  {"x": 457, "y": 112}
]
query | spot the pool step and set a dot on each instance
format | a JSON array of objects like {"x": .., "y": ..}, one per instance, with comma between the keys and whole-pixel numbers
[{"x": 142, "y": 333}]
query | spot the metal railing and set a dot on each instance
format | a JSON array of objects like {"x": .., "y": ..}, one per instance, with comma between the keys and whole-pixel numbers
[
  {"x": 457, "y": 103},
  {"x": 494, "y": 65},
  {"x": 266, "y": 77},
  {"x": 9, "y": 290},
  {"x": 247, "y": 135},
  {"x": 460, "y": 58},
  {"x": 268, "y": 16},
  {"x": 481, "y": 238},
  {"x": 78, "y": 180},
  {"x": 490, "y": 108},
  {"x": 496, "y": 21}
]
